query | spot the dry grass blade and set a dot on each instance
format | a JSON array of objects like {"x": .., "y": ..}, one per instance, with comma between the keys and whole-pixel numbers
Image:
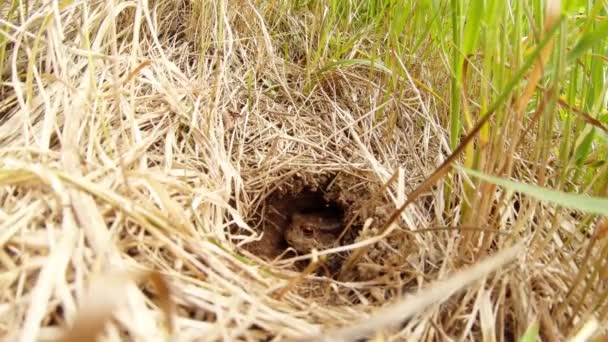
[
  {"x": 584, "y": 116},
  {"x": 106, "y": 295},
  {"x": 587, "y": 332},
  {"x": 285, "y": 167},
  {"x": 431, "y": 180},
  {"x": 418, "y": 302}
]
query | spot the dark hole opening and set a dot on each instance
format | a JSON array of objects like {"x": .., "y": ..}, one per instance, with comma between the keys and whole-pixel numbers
[{"x": 276, "y": 213}]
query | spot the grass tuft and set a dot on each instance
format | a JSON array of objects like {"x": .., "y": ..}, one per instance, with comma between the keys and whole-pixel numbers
[{"x": 153, "y": 152}]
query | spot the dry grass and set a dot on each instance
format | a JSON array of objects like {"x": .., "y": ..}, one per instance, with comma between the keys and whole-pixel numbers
[{"x": 146, "y": 136}]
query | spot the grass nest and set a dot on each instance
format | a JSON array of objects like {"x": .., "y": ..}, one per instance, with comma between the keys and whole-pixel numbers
[{"x": 153, "y": 157}]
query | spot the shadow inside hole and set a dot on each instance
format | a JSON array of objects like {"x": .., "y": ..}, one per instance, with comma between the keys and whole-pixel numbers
[{"x": 276, "y": 213}]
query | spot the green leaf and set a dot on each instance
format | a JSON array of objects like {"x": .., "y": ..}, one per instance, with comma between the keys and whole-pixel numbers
[
  {"x": 399, "y": 19},
  {"x": 603, "y": 137},
  {"x": 472, "y": 28},
  {"x": 531, "y": 334},
  {"x": 574, "y": 6},
  {"x": 583, "y": 150},
  {"x": 589, "y": 40},
  {"x": 592, "y": 205}
]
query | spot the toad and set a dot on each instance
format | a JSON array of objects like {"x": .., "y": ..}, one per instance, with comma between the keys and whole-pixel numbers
[{"x": 312, "y": 230}]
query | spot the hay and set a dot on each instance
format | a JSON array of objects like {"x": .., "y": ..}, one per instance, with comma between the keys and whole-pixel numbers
[{"x": 151, "y": 136}]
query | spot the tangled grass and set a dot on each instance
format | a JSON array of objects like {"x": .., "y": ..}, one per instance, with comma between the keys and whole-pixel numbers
[{"x": 144, "y": 142}]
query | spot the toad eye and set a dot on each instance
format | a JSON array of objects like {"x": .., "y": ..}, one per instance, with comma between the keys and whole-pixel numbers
[{"x": 308, "y": 231}]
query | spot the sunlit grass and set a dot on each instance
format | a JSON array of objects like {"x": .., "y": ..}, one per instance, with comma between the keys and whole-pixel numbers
[{"x": 141, "y": 135}]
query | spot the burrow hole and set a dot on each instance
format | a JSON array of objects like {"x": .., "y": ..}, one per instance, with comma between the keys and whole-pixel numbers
[{"x": 326, "y": 214}]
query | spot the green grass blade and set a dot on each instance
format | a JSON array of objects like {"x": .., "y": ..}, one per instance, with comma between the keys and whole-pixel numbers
[
  {"x": 531, "y": 334},
  {"x": 592, "y": 205},
  {"x": 588, "y": 41},
  {"x": 472, "y": 28}
]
